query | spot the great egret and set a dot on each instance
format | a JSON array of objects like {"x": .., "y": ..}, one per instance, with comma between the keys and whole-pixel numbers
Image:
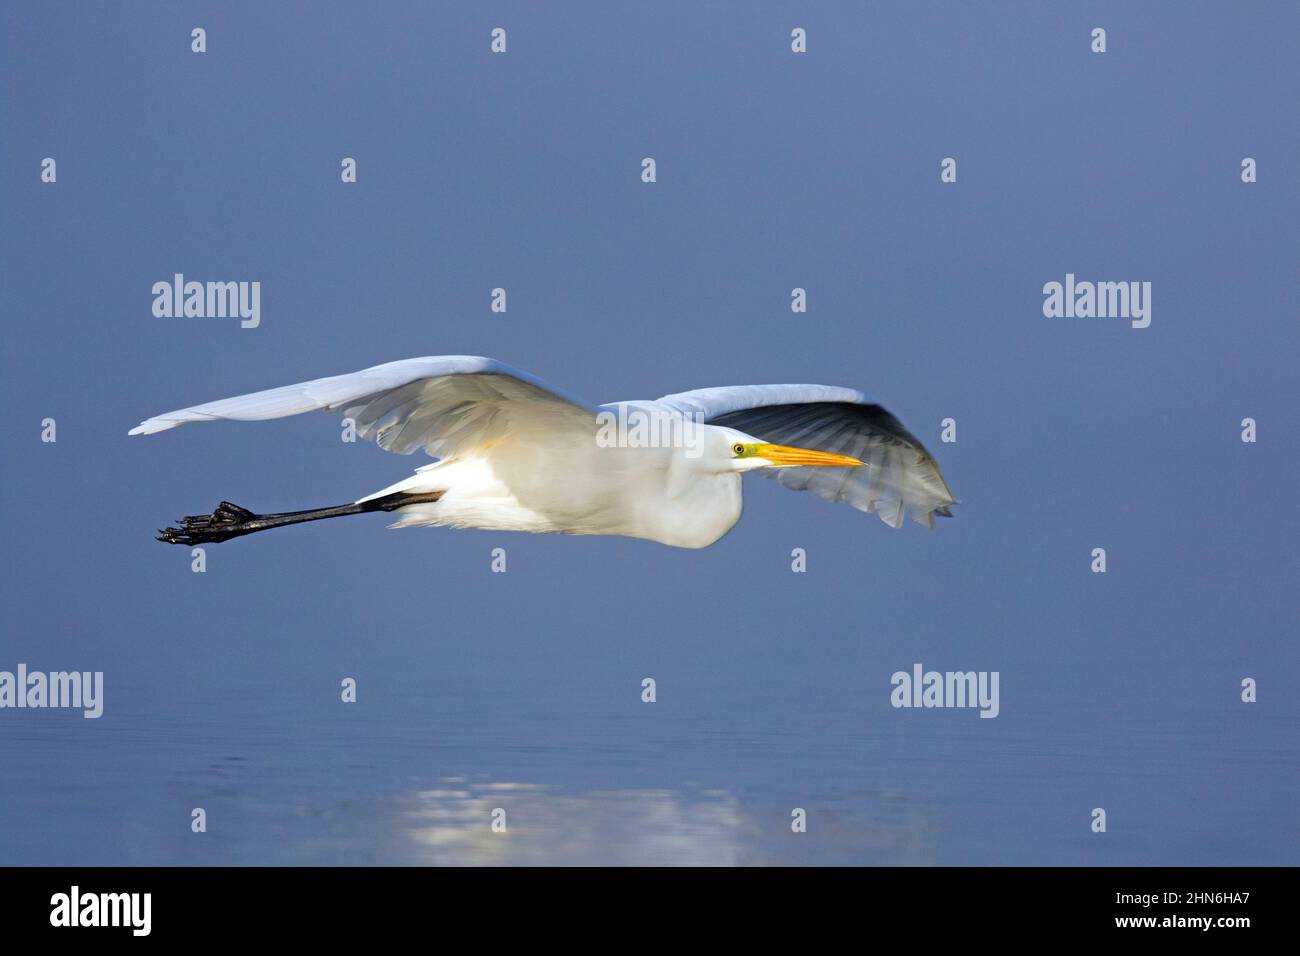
[{"x": 516, "y": 454}]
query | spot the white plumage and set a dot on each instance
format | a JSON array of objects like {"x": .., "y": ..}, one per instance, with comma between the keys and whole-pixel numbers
[{"x": 518, "y": 454}]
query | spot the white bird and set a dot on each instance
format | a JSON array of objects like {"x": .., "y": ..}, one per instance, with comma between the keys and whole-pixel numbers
[{"x": 516, "y": 454}]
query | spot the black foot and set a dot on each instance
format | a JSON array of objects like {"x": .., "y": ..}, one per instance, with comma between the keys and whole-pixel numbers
[{"x": 226, "y": 522}]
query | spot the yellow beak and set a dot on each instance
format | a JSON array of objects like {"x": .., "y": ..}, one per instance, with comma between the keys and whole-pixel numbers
[{"x": 785, "y": 455}]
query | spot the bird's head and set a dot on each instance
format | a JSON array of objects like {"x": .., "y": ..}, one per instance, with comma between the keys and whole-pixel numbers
[{"x": 735, "y": 451}]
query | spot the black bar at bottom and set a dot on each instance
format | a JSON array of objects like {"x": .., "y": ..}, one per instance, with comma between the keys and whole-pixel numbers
[{"x": 330, "y": 905}]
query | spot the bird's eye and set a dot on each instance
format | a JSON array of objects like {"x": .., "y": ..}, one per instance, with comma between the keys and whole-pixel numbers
[{"x": 738, "y": 449}]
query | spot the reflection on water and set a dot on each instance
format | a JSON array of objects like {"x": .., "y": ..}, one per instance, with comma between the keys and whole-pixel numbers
[{"x": 452, "y": 826}]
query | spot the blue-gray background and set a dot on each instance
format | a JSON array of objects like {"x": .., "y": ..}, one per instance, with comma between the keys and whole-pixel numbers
[{"x": 522, "y": 690}]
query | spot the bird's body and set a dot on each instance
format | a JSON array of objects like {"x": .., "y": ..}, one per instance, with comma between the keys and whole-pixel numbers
[
  {"x": 518, "y": 455},
  {"x": 638, "y": 492}
]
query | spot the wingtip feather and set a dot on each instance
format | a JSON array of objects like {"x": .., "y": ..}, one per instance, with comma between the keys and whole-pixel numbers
[{"x": 152, "y": 426}]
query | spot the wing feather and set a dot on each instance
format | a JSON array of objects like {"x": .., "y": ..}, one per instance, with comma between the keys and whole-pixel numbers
[{"x": 444, "y": 404}]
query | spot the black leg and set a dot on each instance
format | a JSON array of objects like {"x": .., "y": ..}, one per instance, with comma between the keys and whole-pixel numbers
[{"x": 231, "y": 521}]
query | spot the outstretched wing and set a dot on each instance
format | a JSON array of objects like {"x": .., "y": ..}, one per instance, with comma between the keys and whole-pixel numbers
[
  {"x": 444, "y": 404},
  {"x": 900, "y": 476}
]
